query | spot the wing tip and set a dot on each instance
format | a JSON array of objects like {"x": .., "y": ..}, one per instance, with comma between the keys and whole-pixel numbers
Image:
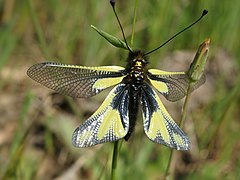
[
  {"x": 79, "y": 141},
  {"x": 75, "y": 142},
  {"x": 185, "y": 146},
  {"x": 35, "y": 67}
]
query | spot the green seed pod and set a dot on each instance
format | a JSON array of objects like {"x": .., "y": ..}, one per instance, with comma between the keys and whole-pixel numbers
[{"x": 196, "y": 69}]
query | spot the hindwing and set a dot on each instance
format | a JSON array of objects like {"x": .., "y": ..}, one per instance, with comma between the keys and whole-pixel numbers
[
  {"x": 158, "y": 124},
  {"x": 109, "y": 123}
]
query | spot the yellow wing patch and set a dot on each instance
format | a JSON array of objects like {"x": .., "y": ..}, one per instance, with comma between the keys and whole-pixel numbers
[
  {"x": 104, "y": 83},
  {"x": 98, "y": 68},
  {"x": 160, "y": 86},
  {"x": 158, "y": 124},
  {"x": 172, "y": 85},
  {"x": 109, "y": 123},
  {"x": 160, "y": 72},
  {"x": 114, "y": 124}
]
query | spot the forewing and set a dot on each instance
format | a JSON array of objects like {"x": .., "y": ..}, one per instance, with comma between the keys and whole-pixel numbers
[
  {"x": 109, "y": 123},
  {"x": 158, "y": 124},
  {"x": 76, "y": 81},
  {"x": 173, "y": 85}
]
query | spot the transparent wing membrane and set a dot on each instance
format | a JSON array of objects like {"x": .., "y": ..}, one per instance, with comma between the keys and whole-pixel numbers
[
  {"x": 76, "y": 81},
  {"x": 172, "y": 85}
]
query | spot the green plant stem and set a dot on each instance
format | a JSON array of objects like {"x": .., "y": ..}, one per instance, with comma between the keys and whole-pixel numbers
[
  {"x": 185, "y": 105},
  {"x": 116, "y": 144},
  {"x": 168, "y": 165},
  {"x": 114, "y": 159},
  {"x": 134, "y": 23},
  {"x": 183, "y": 117}
]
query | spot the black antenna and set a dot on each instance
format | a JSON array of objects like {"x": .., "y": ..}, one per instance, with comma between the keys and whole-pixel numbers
[
  {"x": 112, "y": 2},
  {"x": 203, "y": 14}
]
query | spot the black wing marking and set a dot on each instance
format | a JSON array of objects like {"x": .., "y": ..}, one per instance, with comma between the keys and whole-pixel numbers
[
  {"x": 158, "y": 124},
  {"x": 76, "y": 81}
]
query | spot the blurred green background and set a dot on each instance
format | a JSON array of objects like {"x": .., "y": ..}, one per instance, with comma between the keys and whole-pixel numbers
[{"x": 36, "y": 124}]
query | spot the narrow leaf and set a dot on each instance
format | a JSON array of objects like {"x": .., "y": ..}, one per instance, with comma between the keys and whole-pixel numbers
[{"x": 113, "y": 40}]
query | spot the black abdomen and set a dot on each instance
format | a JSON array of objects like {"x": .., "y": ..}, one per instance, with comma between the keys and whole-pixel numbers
[
  {"x": 136, "y": 76},
  {"x": 133, "y": 108}
]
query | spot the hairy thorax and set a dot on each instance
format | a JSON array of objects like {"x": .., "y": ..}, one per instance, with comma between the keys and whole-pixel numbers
[{"x": 136, "y": 68}]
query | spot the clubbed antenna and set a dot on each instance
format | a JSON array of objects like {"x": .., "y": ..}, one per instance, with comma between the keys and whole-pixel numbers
[
  {"x": 203, "y": 14},
  {"x": 112, "y": 2}
]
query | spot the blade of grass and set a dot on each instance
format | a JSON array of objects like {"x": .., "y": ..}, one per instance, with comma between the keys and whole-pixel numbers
[
  {"x": 19, "y": 141},
  {"x": 228, "y": 104},
  {"x": 134, "y": 23},
  {"x": 37, "y": 27},
  {"x": 8, "y": 40},
  {"x": 114, "y": 159}
]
